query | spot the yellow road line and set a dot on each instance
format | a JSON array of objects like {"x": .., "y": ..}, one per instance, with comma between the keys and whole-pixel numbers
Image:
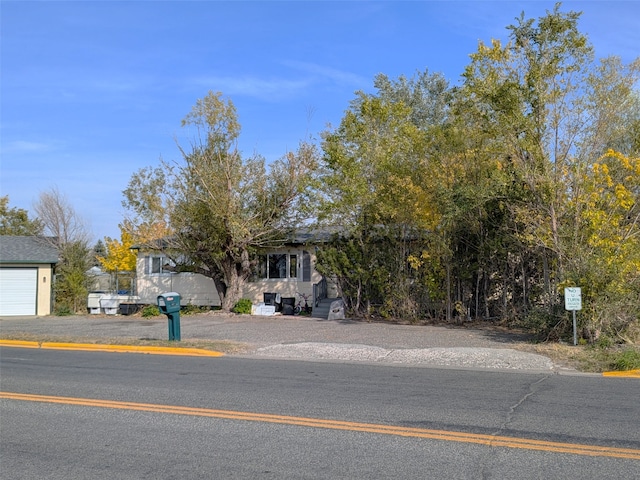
[
  {"x": 489, "y": 440},
  {"x": 91, "y": 347}
]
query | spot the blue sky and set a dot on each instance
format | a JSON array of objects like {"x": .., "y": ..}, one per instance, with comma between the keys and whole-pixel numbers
[{"x": 92, "y": 91}]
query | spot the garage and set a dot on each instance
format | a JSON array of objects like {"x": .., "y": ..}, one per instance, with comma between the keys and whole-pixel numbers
[
  {"x": 26, "y": 275},
  {"x": 18, "y": 291}
]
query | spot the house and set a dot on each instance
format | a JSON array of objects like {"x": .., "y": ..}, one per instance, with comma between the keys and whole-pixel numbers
[
  {"x": 26, "y": 275},
  {"x": 288, "y": 271}
]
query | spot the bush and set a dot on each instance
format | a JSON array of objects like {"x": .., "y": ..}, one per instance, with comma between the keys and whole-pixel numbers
[
  {"x": 193, "y": 309},
  {"x": 63, "y": 311},
  {"x": 242, "y": 306},
  {"x": 548, "y": 325},
  {"x": 150, "y": 311}
]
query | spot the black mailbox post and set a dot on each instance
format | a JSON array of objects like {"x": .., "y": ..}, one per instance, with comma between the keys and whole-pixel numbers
[{"x": 169, "y": 304}]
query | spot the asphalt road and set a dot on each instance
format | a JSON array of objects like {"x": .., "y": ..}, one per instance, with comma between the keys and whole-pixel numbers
[{"x": 263, "y": 418}]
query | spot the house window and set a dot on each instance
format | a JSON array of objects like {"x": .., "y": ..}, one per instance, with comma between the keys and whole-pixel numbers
[
  {"x": 155, "y": 265},
  {"x": 277, "y": 266},
  {"x": 293, "y": 266}
]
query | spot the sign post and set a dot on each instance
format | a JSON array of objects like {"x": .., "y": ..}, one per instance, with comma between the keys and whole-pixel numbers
[{"x": 573, "y": 302}]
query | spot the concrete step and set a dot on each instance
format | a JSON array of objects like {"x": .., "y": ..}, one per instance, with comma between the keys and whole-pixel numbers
[{"x": 323, "y": 308}]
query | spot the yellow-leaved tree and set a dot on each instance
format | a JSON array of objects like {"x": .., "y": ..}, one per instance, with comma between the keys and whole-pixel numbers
[
  {"x": 609, "y": 262},
  {"x": 120, "y": 259}
]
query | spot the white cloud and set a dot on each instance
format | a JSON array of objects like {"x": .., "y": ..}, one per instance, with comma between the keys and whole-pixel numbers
[
  {"x": 323, "y": 73},
  {"x": 25, "y": 146},
  {"x": 283, "y": 87},
  {"x": 269, "y": 89}
]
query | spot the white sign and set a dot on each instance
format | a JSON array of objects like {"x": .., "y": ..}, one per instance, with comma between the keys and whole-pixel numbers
[{"x": 573, "y": 298}]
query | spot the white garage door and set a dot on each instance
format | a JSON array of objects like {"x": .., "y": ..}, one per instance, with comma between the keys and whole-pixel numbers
[{"x": 18, "y": 291}]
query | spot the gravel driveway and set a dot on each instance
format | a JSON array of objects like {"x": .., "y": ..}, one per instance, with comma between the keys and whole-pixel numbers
[{"x": 307, "y": 338}]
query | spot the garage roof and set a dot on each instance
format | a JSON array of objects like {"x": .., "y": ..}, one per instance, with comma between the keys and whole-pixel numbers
[{"x": 22, "y": 249}]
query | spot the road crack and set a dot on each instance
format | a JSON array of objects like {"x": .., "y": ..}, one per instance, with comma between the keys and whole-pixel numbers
[
  {"x": 533, "y": 388},
  {"x": 512, "y": 410}
]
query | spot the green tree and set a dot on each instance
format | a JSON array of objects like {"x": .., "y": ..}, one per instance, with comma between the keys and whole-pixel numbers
[
  {"x": 500, "y": 173},
  {"x": 72, "y": 282},
  {"x": 427, "y": 95},
  {"x": 220, "y": 208},
  {"x": 378, "y": 188},
  {"x": 16, "y": 221},
  {"x": 548, "y": 111},
  {"x": 99, "y": 250}
]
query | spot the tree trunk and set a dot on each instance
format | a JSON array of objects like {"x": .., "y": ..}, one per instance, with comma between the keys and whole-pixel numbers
[
  {"x": 233, "y": 284},
  {"x": 236, "y": 274},
  {"x": 221, "y": 288},
  {"x": 448, "y": 302},
  {"x": 477, "y": 294},
  {"x": 547, "y": 282}
]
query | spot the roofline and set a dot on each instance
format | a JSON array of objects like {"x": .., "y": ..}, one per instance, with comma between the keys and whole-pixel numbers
[{"x": 28, "y": 262}]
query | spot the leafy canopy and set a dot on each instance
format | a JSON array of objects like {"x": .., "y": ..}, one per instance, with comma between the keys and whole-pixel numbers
[
  {"x": 16, "y": 221},
  {"x": 217, "y": 206}
]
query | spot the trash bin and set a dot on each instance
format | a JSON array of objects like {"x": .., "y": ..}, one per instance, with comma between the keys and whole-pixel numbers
[
  {"x": 169, "y": 304},
  {"x": 288, "y": 305},
  {"x": 129, "y": 308},
  {"x": 273, "y": 299},
  {"x": 269, "y": 298}
]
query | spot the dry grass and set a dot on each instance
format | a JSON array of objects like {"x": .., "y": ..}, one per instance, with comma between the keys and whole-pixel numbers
[
  {"x": 584, "y": 358},
  {"x": 223, "y": 346}
]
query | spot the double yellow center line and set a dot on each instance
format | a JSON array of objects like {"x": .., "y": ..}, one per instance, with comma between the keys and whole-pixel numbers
[{"x": 488, "y": 440}]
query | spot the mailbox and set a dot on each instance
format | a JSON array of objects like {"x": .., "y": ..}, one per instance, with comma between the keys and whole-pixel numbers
[{"x": 169, "y": 304}]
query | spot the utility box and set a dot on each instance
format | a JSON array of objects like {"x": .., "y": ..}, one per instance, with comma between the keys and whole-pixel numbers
[{"x": 169, "y": 304}]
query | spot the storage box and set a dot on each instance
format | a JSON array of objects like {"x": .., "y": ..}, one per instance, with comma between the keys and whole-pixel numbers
[
  {"x": 109, "y": 304},
  {"x": 93, "y": 303},
  {"x": 265, "y": 310}
]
